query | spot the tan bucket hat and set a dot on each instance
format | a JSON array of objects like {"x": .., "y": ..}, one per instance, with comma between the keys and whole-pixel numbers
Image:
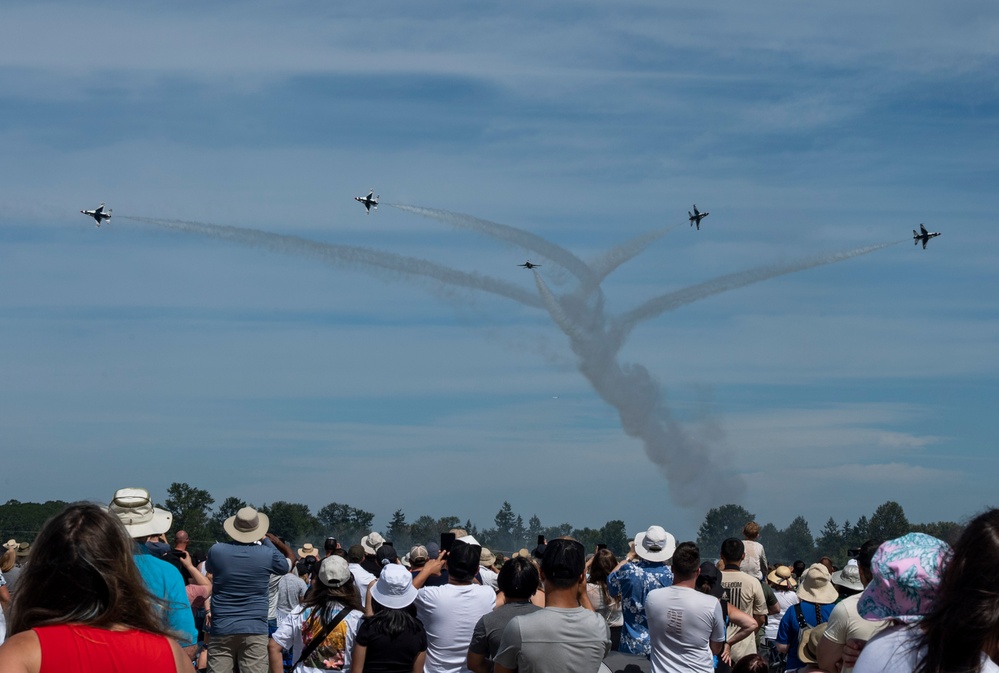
[{"x": 247, "y": 525}]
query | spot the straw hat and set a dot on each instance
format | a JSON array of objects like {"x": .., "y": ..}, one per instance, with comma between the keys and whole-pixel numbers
[
  {"x": 816, "y": 585},
  {"x": 307, "y": 550},
  {"x": 247, "y": 525},
  {"x": 781, "y": 576}
]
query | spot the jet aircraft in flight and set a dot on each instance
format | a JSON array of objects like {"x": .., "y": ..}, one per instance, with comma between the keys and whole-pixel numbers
[
  {"x": 370, "y": 201},
  {"x": 923, "y": 236},
  {"x": 98, "y": 214},
  {"x": 696, "y": 217},
  {"x": 528, "y": 265}
]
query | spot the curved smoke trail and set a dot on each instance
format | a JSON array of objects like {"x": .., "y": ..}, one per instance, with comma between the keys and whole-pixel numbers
[{"x": 348, "y": 256}]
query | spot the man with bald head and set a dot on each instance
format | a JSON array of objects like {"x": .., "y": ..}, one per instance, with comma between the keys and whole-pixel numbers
[{"x": 180, "y": 540}]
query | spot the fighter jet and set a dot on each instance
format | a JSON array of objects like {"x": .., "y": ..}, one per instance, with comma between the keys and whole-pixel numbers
[
  {"x": 528, "y": 265},
  {"x": 98, "y": 214},
  {"x": 923, "y": 236},
  {"x": 696, "y": 217},
  {"x": 370, "y": 201}
]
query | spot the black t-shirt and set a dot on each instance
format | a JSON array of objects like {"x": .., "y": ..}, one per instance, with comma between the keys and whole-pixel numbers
[{"x": 389, "y": 655}]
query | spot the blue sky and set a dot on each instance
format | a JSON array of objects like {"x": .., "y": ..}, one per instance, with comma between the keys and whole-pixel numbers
[{"x": 140, "y": 355}]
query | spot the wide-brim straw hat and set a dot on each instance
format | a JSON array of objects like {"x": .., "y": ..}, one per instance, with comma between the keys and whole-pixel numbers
[
  {"x": 781, "y": 576},
  {"x": 816, "y": 585},
  {"x": 307, "y": 550}
]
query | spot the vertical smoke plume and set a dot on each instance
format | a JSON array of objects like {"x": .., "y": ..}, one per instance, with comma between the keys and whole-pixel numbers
[{"x": 694, "y": 475}]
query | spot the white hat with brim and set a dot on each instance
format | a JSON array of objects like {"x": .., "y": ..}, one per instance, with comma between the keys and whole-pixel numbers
[
  {"x": 655, "y": 544},
  {"x": 136, "y": 512},
  {"x": 394, "y": 588},
  {"x": 849, "y": 576},
  {"x": 372, "y": 542},
  {"x": 307, "y": 550},
  {"x": 247, "y": 525},
  {"x": 10, "y": 544},
  {"x": 816, "y": 585}
]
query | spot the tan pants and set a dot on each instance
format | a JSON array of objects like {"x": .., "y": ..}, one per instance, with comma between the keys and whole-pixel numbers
[{"x": 249, "y": 651}]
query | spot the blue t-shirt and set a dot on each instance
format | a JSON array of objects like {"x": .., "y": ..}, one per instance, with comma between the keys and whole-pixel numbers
[
  {"x": 633, "y": 582},
  {"x": 240, "y": 580},
  {"x": 788, "y": 631},
  {"x": 165, "y": 581}
]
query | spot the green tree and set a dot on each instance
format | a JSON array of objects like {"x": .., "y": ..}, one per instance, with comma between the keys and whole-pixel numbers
[
  {"x": 719, "y": 524},
  {"x": 428, "y": 529},
  {"x": 859, "y": 534},
  {"x": 398, "y": 532},
  {"x": 830, "y": 543},
  {"x": 501, "y": 537},
  {"x": 347, "y": 524},
  {"x": 614, "y": 534},
  {"x": 534, "y": 528},
  {"x": 23, "y": 520},
  {"x": 292, "y": 521},
  {"x": 191, "y": 508},
  {"x": 228, "y": 508},
  {"x": 798, "y": 542},
  {"x": 772, "y": 540},
  {"x": 948, "y": 531},
  {"x": 888, "y": 522},
  {"x": 520, "y": 534}
]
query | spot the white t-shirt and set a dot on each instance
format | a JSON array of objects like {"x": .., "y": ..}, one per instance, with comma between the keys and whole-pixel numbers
[
  {"x": 362, "y": 578},
  {"x": 335, "y": 649},
  {"x": 449, "y": 614},
  {"x": 895, "y": 651},
  {"x": 785, "y": 599},
  {"x": 755, "y": 560},
  {"x": 682, "y": 621},
  {"x": 488, "y": 577}
]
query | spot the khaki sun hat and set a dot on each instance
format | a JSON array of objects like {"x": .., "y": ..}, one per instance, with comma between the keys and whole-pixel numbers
[
  {"x": 135, "y": 510},
  {"x": 247, "y": 525}
]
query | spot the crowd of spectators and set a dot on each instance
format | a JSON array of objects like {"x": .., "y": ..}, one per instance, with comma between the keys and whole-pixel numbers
[{"x": 102, "y": 589}]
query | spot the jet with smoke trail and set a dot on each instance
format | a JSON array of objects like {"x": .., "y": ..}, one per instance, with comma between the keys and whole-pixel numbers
[{"x": 695, "y": 477}]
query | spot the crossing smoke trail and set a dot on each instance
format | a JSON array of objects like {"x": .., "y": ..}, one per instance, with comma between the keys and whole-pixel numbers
[
  {"x": 694, "y": 476},
  {"x": 347, "y": 256}
]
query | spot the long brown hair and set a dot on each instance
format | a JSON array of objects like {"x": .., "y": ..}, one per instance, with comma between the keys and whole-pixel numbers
[
  {"x": 964, "y": 619},
  {"x": 82, "y": 572},
  {"x": 601, "y": 567}
]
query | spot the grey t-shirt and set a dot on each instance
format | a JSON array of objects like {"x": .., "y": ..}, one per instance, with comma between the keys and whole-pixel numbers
[
  {"x": 555, "y": 640},
  {"x": 489, "y": 630},
  {"x": 241, "y": 576}
]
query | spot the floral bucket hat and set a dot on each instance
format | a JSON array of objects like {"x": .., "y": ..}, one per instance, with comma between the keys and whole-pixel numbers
[{"x": 907, "y": 572}]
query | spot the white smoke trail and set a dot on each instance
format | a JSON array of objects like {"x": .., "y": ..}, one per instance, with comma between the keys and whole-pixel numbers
[
  {"x": 348, "y": 256},
  {"x": 673, "y": 300},
  {"x": 695, "y": 479},
  {"x": 503, "y": 232},
  {"x": 607, "y": 263}
]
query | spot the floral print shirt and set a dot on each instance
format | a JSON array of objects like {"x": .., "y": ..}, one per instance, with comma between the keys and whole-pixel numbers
[{"x": 633, "y": 582}]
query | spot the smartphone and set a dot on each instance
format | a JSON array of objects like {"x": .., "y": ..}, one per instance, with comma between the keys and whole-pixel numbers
[
  {"x": 447, "y": 540},
  {"x": 541, "y": 539},
  {"x": 600, "y": 546}
]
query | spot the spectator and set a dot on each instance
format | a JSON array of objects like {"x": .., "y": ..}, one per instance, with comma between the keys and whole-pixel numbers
[
  {"x": 449, "y": 612},
  {"x": 4, "y": 593},
  {"x": 709, "y": 581},
  {"x": 241, "y": 571},
  {"x": 942, "y": 608},
  {"x": 328, "y": 610},
  {"x": 181, "y": 540},
  {"x": 784, "y": 586},
  {"x": 86, "y": 606},
  {"x": 418, "y": 556},
  {"x": 370, "y": 543},
  {"x": 518, "y": 580},
  {"x": 797, "y": 570},
  {"x": 755, "y": 561},
  {"x": 145, "y": 522},
  {"x": 330, "y": 545},
  {"x": 742, "y": 591},
  {"x": 487, "y": 570},
  {"x": 566, "y": 635},
  {"x": 391, "y": 639},
  {"x": 817, "y": 598},
  {"x": 641, "y": 571},
  {"x": 845, "y": 623},
  {"x": 685, "y": 626},
  {"x": 362, "y": 578},
  {"x": 601, "y": 565}
]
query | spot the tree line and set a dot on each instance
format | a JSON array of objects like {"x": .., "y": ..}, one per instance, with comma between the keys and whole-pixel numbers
[
  {"x": 796, "y": 542},
  {"x": 195, "y": 511}
]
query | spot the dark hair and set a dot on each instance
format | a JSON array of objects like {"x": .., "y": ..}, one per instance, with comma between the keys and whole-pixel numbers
[
  {"x": 866, "y": 554},
  {"x": 964, "y": 619},
  {"x": 563, "y": 562},
  {"x": 732, "y": 550},
  {"x": 329, "y": 545},
  {"x": 754, "y": 663},
  {"x": 355, "y": 554},
  {"x": 323, "y": 598},
  {"x": 82, "y": 571},
  {"x": 798, "y": 568},
  {"x": 601, "y": 567},
  {"x": 686, "y": 560},
  {"x": 394, "y": 621},
  {"x": 518, "y": 578}
]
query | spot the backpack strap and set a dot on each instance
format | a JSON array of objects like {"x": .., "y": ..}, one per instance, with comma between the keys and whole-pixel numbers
[
  {"x": 802, "y": 624},
  {"x": 818, "y": 614},
  {"x": 321, "y": 637}
]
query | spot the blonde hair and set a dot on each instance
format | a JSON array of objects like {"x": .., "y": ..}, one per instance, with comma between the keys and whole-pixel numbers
[{"x": 751, "y": 531}]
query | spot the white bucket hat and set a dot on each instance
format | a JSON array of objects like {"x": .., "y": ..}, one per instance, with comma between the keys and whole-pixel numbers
[
  {"x": 371, "y": 542},
  {"x": 247, "y": 525},
  {"x": 394, "y": 588},
  {"x": 135, "y": 510},
  {"x": 655, "y": 544},
  {"x": 849, "y": 576}
]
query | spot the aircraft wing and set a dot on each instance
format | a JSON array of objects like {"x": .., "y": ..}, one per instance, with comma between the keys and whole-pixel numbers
[
  {"x": 925, "y": 241},
  {"x": 922, "y": 230}
]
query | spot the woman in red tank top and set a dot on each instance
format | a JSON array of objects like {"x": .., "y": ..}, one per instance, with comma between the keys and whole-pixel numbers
[{"x": 82, "y": 605}]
